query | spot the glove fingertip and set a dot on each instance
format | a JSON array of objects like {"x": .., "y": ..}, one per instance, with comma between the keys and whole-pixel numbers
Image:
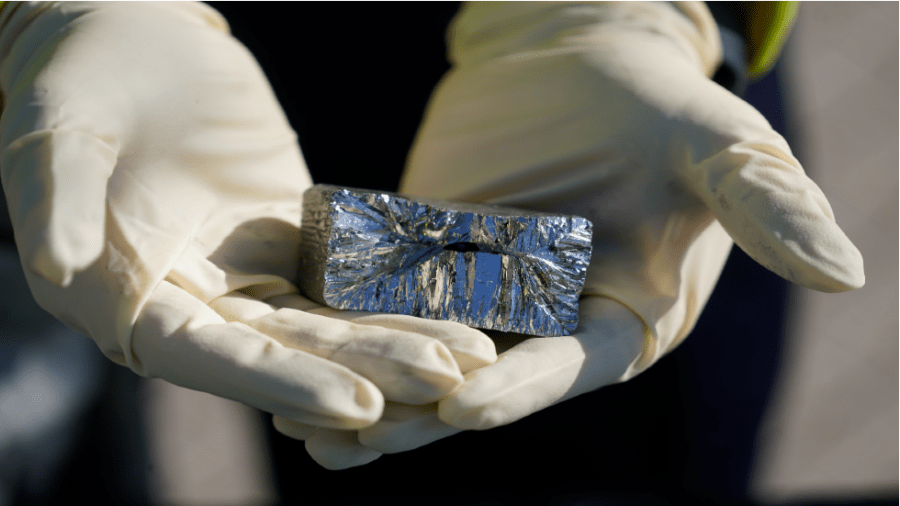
[
  {"x": 362, "y": 410},
  {"x": 469, "y": 362},
  {"x": 395, "y": 437},
  {"x": 336, "y": 450},
  {"x": 464, "y": 416},
  {"x": 843, "y": 275},
  {"x": 292, "y": 429},
  {"x": 823, "y": 259},
  {"x": 783, "y": 220},
  {"x": 41, "y": 261},
  {"x": 57, "y": 255}
]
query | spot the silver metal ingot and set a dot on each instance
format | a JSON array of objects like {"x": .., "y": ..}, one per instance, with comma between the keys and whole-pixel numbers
[{"x": 485, "y": 266}]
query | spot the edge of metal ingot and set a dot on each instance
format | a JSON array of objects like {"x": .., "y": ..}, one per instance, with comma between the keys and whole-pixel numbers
[{"x": 485, "y": 266}]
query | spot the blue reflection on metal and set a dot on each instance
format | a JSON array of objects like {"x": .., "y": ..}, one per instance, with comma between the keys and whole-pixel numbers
[{"x": 484, "y": 266}]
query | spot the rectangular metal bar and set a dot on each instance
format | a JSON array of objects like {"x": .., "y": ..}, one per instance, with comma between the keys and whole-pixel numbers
[{"x": 484, "y": 266}]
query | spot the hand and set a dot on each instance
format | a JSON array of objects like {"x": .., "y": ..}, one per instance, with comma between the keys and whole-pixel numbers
[
  {"x": 596, "y": 355},
  {"x": 607, "y": 111},
  {"x": 155, "y": 187}
]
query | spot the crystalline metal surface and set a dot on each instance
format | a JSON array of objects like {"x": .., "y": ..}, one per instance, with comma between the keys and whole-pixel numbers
[{"x": 485, "y": 266}]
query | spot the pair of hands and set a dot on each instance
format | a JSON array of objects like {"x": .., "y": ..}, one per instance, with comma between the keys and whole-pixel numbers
[{"x": 155, "y": 187}]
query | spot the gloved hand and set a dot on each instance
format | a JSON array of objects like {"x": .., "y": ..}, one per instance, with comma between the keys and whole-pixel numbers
[
  {"x": 607, "y": 111},
  {"x": 154, "y": 186}
]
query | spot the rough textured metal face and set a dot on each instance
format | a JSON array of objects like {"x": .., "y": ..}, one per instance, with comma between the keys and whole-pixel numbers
[{"x": 485, "y": 266}]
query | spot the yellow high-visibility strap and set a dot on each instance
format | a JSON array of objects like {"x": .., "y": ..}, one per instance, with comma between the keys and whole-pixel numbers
[{"x": 767, "y": 26}]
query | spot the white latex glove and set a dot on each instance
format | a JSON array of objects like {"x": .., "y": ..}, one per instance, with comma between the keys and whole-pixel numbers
[
  {"x": 607, "y": 111},
  {"x": 154, "y": 186}
]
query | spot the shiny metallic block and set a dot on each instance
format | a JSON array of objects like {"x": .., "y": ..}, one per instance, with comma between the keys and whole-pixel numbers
[{"x": 485, "y": 266}]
